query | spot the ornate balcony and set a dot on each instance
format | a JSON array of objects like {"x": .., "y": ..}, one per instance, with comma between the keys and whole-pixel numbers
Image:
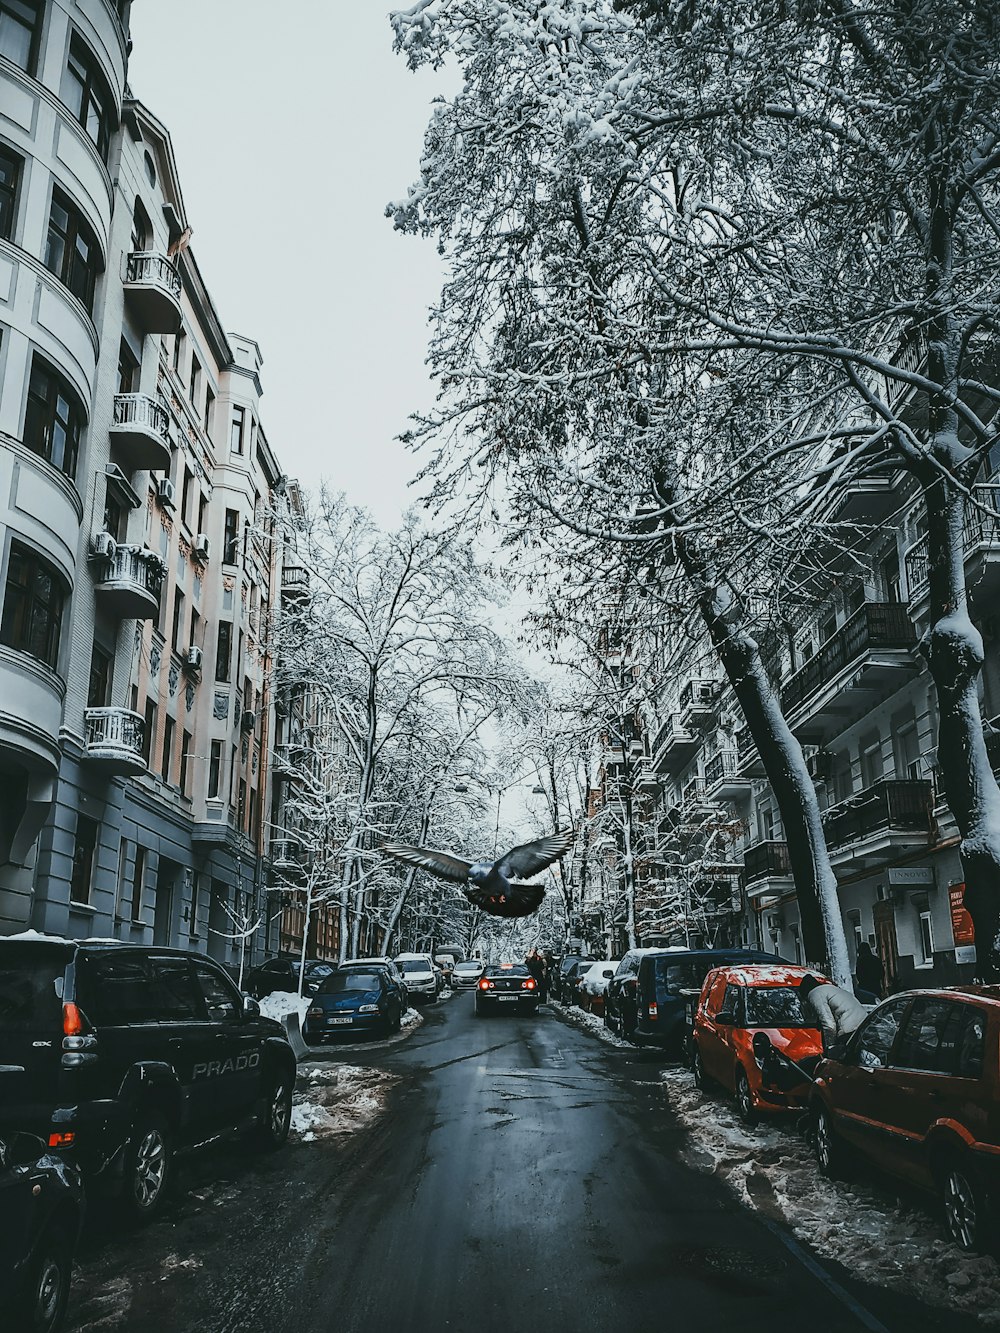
[
  {"x": 153, "y": 290},
  {"x": 697, "y": 701},
  {"x": 139, "y": 433},
  {"x": 767, "y": 870},
  {"x": 723, "y": 779},
  {"x": 982, "y": 554},
  {"x": 881, "y": 822},
  {"x": 748, "y": 761},
  {"x": 288, "y": 858},
  {"x": 115, "y": 740},
  {"x": 294, "y": 583},
  {"x": 129, "y": 580},
  {"x": 867, "y": 659},
  {"x": 673, "y": 746}
]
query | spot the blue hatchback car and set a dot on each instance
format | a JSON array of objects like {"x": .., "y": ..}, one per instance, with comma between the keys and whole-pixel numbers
[{"x": 354, "y": 1001}]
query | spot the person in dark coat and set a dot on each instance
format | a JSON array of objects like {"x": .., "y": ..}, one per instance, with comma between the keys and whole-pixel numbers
[
  {"x": 868, "y": 970},
  {"x": 535, "y": 964}
]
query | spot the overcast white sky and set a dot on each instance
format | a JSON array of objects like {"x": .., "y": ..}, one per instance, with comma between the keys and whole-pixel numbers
[{"x": 293, "y": 127}]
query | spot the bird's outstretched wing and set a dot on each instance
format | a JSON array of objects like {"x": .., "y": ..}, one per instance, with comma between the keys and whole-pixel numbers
[
  {"x": 442, "y": 864},
  {"x": 518, "y": 900},
  {"x": 535, "y": 856}
]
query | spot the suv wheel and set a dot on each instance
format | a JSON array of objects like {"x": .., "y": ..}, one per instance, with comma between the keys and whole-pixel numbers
[
  {"x": 965, "y": 1205},
  {"x": 829, "y": 1148},
  {"x": 744, "y": 1098},
  {"x": 41, "y": 1304},
  {"x": 276, "y": 1119},
  {"x": 148, "y": 1162}
]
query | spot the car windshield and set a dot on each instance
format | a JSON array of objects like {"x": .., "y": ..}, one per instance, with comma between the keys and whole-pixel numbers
[
  {"x": 775, "y": 1007},
  {"x": 468, "y": 967},
  {"x": 415, "y": 965},
  {"x": 339, "y": 982}
]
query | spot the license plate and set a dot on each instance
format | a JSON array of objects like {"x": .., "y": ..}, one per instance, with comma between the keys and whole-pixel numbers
[
  {"x": 340, "y": 1020},
  {"x": 508, "y": 997}
]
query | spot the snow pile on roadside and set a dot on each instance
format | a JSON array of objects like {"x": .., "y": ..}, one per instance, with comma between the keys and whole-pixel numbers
[
  {"x": 410, "y": 1017},
  {"x": 339, "y": 1099},
  {"x": 282, "y": 1002},
  {"x": 861, "y": 1224},
  {"x": 592, "y": 1022}
]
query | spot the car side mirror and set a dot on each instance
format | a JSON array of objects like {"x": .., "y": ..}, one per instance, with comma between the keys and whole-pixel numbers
[
  {"x": 251, "y": 1008},
  {"x": 725, "y": 1017}
]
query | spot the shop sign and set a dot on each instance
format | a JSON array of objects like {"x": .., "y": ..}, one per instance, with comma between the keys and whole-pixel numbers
[
  {"x": 911, "y": 877},
  {"x": 965, "y": 953},
  {"x": 961, "y": 922}
]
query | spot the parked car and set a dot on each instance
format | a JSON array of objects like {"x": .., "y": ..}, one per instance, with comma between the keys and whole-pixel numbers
[
  {"x": 282, "y": 974},
  {"x": 592, "y": 984},
  {"x": 651, "y": 998},
  {"x": 384, "y": 964},
  {"x": 559, "y": 981},
  {"x": 736, "y": 1003},
  {"x": 466, "y": 975},
  {"x": 569, "y": 980},
  {"x": 506, "y": 986},
  {"x": 41, "y": 1211},
  {"x": 353, "y": 1000},
  {"x": 421, "y": 979},
  {"x": 124, "y": 1056},
  {"x": 916, "y": 1090}
]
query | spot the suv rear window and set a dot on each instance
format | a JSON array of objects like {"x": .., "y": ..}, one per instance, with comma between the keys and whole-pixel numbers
[
  {"x": 30, "y": 991},
  {"x": 686, "y": 975}
]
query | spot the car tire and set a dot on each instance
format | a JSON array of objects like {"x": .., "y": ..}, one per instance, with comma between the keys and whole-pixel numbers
[
  {"x": 831, "y": 1154},
  {"x": 40, "y": 1304},
  {"x": 398, "y": 1020},
  {"x": 744, "y": 1098},
  {"x": 701, "y": 1080},
  {"x": 966, "y": 1205},
  {"x": 149, "y": 1157},
  {"x": 276, "y": 1117}
]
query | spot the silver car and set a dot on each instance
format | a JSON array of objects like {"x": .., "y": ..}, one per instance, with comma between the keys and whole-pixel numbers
[
  {"x": 466, "y": 975},
  {"x": 418, "y": 971}
]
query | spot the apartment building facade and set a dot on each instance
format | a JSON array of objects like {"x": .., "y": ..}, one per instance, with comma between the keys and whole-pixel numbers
[
  {"x": 857, "y": 694},
  {"x": 139, "y": 572}
]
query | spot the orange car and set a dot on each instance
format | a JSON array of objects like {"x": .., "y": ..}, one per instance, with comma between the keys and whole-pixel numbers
[{"x": 735, "y": 1003}]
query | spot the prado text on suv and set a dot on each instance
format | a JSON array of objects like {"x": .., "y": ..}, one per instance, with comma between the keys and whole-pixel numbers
[{"x": 120, "y": 1056}]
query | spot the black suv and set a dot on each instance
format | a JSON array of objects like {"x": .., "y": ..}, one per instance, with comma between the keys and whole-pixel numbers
[
  {"x": 650, "y": 998},
  {"x": 119, "y": 1056},
  {"x": 41, "y": 1209}
]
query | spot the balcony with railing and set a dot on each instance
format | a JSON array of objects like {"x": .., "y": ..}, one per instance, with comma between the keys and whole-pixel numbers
[
  {"x": 153, "y": 291},
  {"x": 294, "y": 583},
  {"x": 115, "y": 739},
  {"x": 673, "y": 746},
  {"x": 128, "y": 581},
  {"x": 982, "y": 553},
  {"x": 723, "y": 779},
  {"x": 874, "y": 825},
  {"x": 288, "y": 857},
  {"x": 866, "y": 659},
  {"x": 748, "y": 760},
  {"x": 697, "y": 701},
  {"x": 767, "y": 867},
  {"x": 139, "y": 432}
]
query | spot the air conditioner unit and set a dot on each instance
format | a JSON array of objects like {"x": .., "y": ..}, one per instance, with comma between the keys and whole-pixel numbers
[
  {"x": 248, "y": 719},
  {"x": 165, "y": 491},
  {"x": 819, "y": 764},
  {"x": 104, "y": 546},
  {"x": 202, "y": 547},
  {"x": 193, "y": 658}
]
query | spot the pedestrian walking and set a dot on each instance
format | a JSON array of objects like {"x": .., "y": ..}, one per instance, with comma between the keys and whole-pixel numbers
[
  {"x": 868, "y": 970},
  {"x": 836, "y": 1011}
]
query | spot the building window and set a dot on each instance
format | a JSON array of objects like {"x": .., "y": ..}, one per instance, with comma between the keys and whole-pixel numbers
[
  {"x": 54, "y": 420},
  {"x": 926, "y": 939},
  {"x": 224, "y": 650},
  {"x": 71, "y": 250},
  {"x": 186, "y": 496},
  {"x": 182, "y": 779},
  {"x": 32, "y": 606},
  {"x": 147, "y": 739},
  {"x": 99, "y": 688},
  {"x": 84, "y": 855},
  {"x": 177, "y": 629},
  {"x": 166, "y": 766},
  {"x": 138, "y": 882},
  {"x": 194, "y": 381},
  {"x": 236, "y": 429},
  {"x": 178, "y": 352},
  {"x": 20, "y": 21},
  {"x": 86, "y": 93},
  {"x": 121, "y": 881},
  {"x": 128, "y": 369},
  {"x": 10, "y": 177},
  {"x": 215, "y": 771},
  {"x": 231, "y": 537},
  {"x": 209, "y": 410}
]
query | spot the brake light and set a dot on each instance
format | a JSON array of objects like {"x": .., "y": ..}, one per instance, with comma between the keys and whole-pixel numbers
[
  {"x": 652, "y": 1009},
  {"x": 72, "y": 1020},
  {"x": 65, "y": 1140},
  {"x": 529, "y": 984},
  {"x": 484, "y": 984}
]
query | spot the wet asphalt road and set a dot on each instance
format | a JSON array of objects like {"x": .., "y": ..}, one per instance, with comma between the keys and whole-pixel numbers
[{"x": 525, "y": 1174}]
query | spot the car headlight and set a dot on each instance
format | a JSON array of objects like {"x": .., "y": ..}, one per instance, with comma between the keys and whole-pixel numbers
[{"x": 368, "y": 1009}]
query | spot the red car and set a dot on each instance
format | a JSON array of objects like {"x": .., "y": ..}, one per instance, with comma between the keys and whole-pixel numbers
[
  {"x": 736, "y": 1003},
  {"x": 916, "y": 1090}
]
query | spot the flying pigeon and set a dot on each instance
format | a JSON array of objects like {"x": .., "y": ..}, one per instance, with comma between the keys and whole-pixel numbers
[{"x": 491, "y": 885}]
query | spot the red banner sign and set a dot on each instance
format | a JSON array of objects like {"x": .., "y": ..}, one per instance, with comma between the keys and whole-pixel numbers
[{"x": 961, "y": 922}]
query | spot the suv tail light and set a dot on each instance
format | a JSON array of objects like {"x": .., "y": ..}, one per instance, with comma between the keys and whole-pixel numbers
[
  {"x": 652, "y": 1009},
  {"x": 79, "y": 1046},
  {"x": 72, "y": 1020},
  {"x": 64, "y": 1140}
]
